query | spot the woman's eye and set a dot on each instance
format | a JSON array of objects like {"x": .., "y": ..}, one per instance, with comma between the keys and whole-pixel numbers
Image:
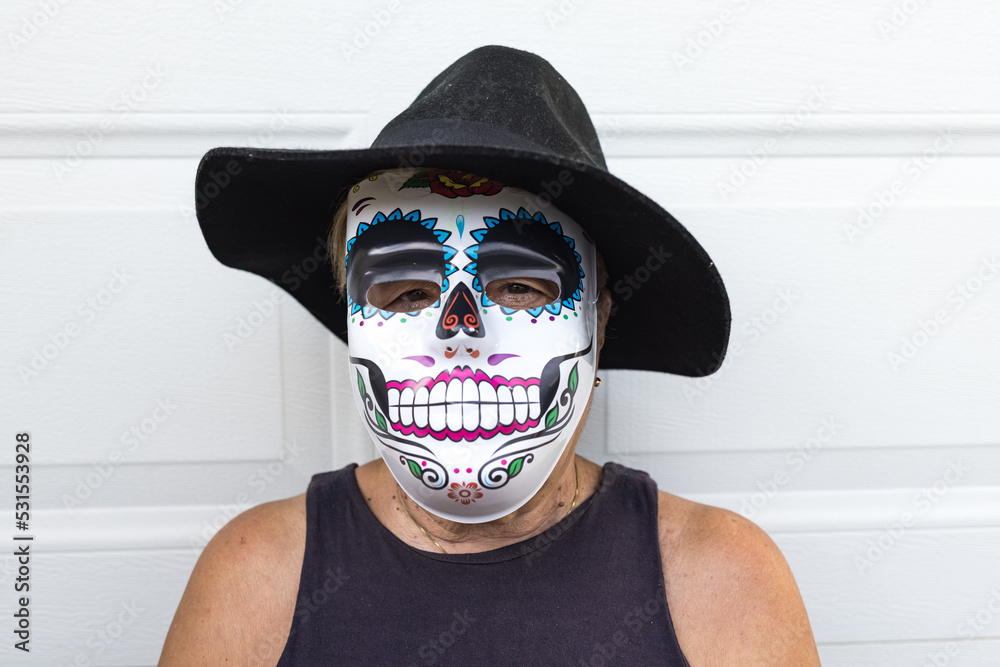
[
  {"x": 522, "y": 293},
  {"x": 404, "y": 296},
  {"x": 415, "y": 295}
]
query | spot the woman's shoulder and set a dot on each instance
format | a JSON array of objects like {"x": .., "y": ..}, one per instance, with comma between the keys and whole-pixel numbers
[
  {"x": 732, "y": 597},
  {"x": 239, "y": 602}
]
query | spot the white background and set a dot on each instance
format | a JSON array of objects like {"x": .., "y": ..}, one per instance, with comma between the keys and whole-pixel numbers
[{"x": 106, "y": 108}]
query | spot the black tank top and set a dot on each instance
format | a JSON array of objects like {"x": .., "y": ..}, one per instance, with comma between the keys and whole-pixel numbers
[{"x": 588, "y": 591}]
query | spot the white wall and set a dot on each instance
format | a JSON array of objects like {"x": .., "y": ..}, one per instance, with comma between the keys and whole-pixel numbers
[{"x": 874, "y": 85}]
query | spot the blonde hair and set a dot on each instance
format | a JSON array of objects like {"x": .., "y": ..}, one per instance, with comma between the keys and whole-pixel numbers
[{"x": 337, "y": 242}]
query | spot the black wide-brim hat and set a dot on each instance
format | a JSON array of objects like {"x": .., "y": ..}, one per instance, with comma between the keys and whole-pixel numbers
[{"x": 510, "y": 116}]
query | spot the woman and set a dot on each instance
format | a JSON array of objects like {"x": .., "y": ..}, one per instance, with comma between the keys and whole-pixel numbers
[{"x": 474, "y": 307}]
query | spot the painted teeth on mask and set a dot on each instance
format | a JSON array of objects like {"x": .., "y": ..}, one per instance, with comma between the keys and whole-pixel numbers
[
  {"x": 489, "y": 410},
  {"x": 470, "y": 404},
  {"x": 406, "y": 406},
  {"x": 454, "y": 404},
  {"x": 394, "y": 405},
  {"x": 420, "y": 407},
  {"x": 458, "y": 404},
  {"x": 506, "y": 400},
  {"x": 534, "y": 407},
  {"x": 520, "y": 403},
  {"x": 437, "y": 416}
]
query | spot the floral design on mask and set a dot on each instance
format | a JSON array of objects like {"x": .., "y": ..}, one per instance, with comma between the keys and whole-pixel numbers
[
  {"x": 520, "y": 224},
  {"x": 465, "y": 493},
  {"x": 359, "y": 305},
  {"x": 451, "y": 183}
]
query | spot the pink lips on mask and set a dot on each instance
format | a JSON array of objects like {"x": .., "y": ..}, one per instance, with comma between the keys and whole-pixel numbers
[{"x": 512, "y": 404}]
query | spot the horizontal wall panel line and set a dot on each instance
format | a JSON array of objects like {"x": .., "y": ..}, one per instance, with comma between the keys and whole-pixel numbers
[
  {"x": 934, "y": 506},
  {"x": 622, "y": 135},
  {"x": 56, "y": 135},
  {"x": 910, "y": 642},
  {"x": 859, "y": 449},
  {"x": 965, "y": 651},
  {"x": 101, "y": 212},
  {"x": 190, "y": 526},
  {"x": 819, "y": 135}
]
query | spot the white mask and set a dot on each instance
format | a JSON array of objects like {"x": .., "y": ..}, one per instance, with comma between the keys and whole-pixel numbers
[{"x": 470, "y": 402}]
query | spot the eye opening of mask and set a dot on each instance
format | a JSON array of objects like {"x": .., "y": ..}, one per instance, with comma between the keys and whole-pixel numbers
[
  {"x": 403, "y": 296},
  {"x": 522, "y": 293}
]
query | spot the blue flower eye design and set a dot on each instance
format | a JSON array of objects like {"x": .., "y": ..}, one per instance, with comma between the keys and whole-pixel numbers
[
  {"x": 504, "y": 250},
  {"x": 416, "y": 249}
]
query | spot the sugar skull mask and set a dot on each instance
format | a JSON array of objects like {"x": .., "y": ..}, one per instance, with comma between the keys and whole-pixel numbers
[{"x": 471, "y": 325}]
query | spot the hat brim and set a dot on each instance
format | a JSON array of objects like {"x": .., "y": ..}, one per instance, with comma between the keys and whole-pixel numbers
[{"x": 269, "y": 211}]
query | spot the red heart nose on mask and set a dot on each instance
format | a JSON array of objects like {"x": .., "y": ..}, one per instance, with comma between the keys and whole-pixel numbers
[{"x": 460, "y": 314}]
